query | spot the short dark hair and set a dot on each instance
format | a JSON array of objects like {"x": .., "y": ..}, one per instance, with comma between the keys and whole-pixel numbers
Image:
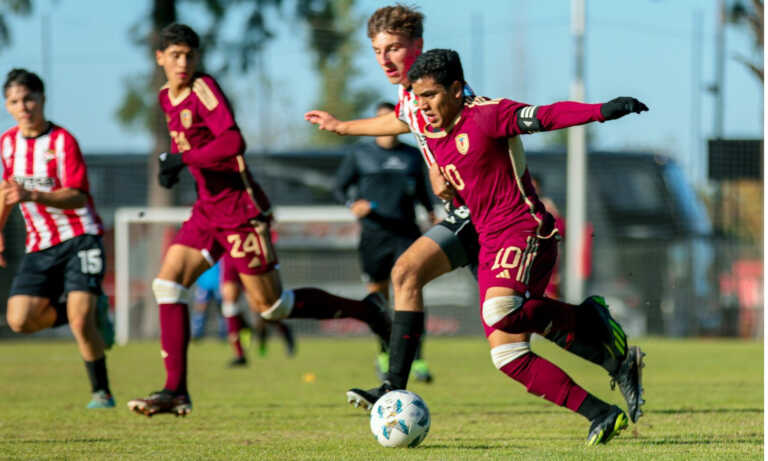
[
  {"x": 442, "y": 65},
  {"x": 25, "y": 78},
  {"x": 398, "y": 19},
  {"x": 385, "y": 105},
  {"x": 178, "y": 34}
]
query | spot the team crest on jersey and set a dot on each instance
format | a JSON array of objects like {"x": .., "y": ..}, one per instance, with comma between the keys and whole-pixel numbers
[
  {"x": 50, "y": 154},
  {"x": 462, "y": 143},
  {"x": 186, "y": 118}
]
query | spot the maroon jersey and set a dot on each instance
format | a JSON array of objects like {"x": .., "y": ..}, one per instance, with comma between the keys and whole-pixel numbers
[
  {"x": 47, "y": 163},
  {"x": 483, "y": 159},
  {"x": 203, "y": 129}
]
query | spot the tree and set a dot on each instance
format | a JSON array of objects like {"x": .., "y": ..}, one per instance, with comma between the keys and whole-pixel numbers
[
  {"x": 333, "y": 27},
  {"x": 18, "y": 7},
  {"x": 754, "y": 19}
]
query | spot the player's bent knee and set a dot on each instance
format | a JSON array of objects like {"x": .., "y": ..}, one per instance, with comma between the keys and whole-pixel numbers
[
  {"x": 281, "y": 308},
  {"x": 169, "y": 292},
  {"x": 405, "y": 274},
  {"x": 495, "y": 309},
  {"x": 17, "y": 323},
  {"x": 507, "y": 353}
]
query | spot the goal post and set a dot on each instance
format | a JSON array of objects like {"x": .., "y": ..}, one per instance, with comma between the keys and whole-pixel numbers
[{"x": 316, "y": 246}]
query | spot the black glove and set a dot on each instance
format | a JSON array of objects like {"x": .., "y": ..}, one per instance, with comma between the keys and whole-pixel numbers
[
  {"x": 620, "y": 107},
  {"x": 170, "y": 167}
]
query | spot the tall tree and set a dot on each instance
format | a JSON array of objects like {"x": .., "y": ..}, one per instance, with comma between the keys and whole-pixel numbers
[
  {"x": 17, "y": 7},
  {"x": 333, "y": 27},
  {"x": 753, "y": 17}
]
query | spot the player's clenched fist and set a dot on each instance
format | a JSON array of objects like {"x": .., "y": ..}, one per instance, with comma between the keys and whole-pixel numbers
[
  {"x": 440, "y": 186},
  {"x": 170, "y": 167},
  {"x": 14, "y": 193},
  {"x": 323, "y": 120},
  {"x": 621, "y": 106}
]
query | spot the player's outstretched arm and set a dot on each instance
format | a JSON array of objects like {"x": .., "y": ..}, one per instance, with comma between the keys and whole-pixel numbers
[
  {"x": 559, "y": 115},
  {"x": 383, "y": 125}
]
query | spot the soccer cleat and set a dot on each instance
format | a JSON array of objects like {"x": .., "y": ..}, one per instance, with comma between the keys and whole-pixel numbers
[
  {"x": 238, "y": 362},
  {"x": 420, "y": 371},
  {"x": 612, "y": 335},
  {"x": 366, "y": 399},
  {"x": 382, "y": 365},
  {"x": 163, "y": 401},
  {"x": 104, "y": 322},
  {"x": 381, "y": 321},
  {"x": 607, "y": 426},
  {"x": 629, "y": 378},
  {"x": 100, "y": 399}
]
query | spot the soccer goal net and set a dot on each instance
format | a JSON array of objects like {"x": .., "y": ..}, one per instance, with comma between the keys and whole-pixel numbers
[{"x": 316, "y": 246}]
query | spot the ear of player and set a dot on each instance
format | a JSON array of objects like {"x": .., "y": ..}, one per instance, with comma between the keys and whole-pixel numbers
[
  {"x": 170, "y": 167},
  {"x": 621, "y": 106}
]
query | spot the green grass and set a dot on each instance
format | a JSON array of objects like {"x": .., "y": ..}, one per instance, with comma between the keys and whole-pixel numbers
[{"x": 705, "y": 401}]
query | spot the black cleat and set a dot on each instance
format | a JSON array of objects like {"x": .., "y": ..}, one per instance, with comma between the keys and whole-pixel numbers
[
  {"x": 629, "y": 378},
  {"x": 609, "y": 331},
  {"x": 607, "y": 426},
  {"x": 238, "y": 362},
  {"x": 381, "y": 321},
  {"x": 366, "y": 399},
  {"x": 162, "y": 402}
]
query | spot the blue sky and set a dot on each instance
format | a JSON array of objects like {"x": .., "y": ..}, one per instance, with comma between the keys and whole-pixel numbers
[{"x": 516, "y": 49}]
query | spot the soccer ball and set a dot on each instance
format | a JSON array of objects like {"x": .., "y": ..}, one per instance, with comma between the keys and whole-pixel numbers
[{"x": 400, "y": 419}]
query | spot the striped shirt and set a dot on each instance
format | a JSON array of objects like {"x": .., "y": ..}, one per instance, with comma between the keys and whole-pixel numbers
[{"x": 47, "y": 163}]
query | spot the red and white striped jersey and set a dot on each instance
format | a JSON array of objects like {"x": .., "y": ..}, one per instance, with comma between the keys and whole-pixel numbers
[{"x": 46, "y": 163}]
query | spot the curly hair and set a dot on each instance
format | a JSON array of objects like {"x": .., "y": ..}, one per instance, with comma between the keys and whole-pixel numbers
[{"x": 399, "y": 19}]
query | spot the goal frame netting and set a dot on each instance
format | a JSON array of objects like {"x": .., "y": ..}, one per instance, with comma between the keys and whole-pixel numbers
[{"x": 125, "y": 216}]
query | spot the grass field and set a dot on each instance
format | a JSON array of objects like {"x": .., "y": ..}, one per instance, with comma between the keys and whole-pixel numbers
[{"x": 705, "y": 401}]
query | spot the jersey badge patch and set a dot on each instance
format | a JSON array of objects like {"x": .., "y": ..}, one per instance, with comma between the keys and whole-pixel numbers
[
  {"x": 186, "y": 118},
  {"x": 462, "y": 143},
  {"x": 50, "y": 154}
]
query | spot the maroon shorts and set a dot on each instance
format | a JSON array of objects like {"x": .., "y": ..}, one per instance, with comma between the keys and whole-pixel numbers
[
  {"x": 248, "y": 247},
  {"x": 228, "y": 270},
  {"x": 516, "y": 260}
]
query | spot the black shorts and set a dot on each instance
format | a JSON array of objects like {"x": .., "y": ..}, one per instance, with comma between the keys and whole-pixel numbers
[
  {"x": 76, "y": 264},
  {"x": 457, "y": 237},
  {"x": 379, "y": 250}
]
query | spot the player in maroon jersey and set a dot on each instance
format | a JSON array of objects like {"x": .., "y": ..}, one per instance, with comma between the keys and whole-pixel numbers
[
  {"x": 396, "y": 38},
  {"x": 231, "y": 215},
  {"x": 475, "y": 142},
  {"x": 59, "y": 280}
]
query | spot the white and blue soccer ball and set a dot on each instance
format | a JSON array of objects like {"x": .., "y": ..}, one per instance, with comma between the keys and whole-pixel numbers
[{"x": 400, "y": 419}]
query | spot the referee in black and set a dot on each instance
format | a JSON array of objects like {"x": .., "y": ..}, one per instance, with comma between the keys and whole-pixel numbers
[{"x": 381, "y": 181}]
